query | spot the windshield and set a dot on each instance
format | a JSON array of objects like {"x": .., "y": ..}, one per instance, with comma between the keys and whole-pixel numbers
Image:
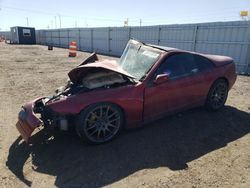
[{"x": 137, "y": 59}]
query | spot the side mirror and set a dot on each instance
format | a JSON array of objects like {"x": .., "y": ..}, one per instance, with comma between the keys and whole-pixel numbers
[{"x": 161, "y": 78}]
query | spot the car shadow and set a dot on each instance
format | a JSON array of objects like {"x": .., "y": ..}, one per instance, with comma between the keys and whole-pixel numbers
[{"x": 171, "y": 142}]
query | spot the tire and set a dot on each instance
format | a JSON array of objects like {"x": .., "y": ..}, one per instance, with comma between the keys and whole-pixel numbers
[
  {"x": 99, "y": 123},
  {"x": 217, "y": 95}
]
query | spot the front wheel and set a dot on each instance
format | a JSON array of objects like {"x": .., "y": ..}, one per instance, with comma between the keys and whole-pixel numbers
[
  {"x": 217, "y": 95},
  {"x": 99, "y": 123}
]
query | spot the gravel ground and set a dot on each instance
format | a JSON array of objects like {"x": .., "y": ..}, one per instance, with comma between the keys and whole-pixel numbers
[{"x": 195, "y": 148}]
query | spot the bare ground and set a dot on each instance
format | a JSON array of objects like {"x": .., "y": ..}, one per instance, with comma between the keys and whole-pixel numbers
[{"x": 192, "y": 149}]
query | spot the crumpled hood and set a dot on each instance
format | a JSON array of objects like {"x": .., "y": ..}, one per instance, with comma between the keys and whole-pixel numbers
[{"x": 76, "y": 74}]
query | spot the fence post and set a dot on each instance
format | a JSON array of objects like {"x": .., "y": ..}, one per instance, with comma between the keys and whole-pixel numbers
[
  {"x": 92, "y": 39},
  {"x": 109, "y": 40},
  {"x": 195, "y": 38},
  {"x": 44, "y": 37},
  {"x": 59, "y": 35},
  {"x": 79, "y": 39},
  {"x": 51, "y": 41},
  {"x": 129, "y": 33},
  {"x": 248, "y": 51},
  {"x": 39, "y": 37},
  {"x": 47, "y": 37},
  {"x": 159, "y": 35},
  {"x": 68, "y": 38}
]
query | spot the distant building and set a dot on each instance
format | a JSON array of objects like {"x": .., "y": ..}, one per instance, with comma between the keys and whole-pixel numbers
[
  {"x": 5, "y": 35},
  {"x": 22, "y": 35}
]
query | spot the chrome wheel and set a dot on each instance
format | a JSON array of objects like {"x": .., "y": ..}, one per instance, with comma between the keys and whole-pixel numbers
[
  {"x": 101, "y": 123},
  {"x": 217, "y": 95}
]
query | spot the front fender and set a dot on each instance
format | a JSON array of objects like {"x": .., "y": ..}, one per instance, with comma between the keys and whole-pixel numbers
[{"x": 129, "y": 98}]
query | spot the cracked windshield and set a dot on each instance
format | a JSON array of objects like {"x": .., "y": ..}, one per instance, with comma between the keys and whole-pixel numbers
[{"x": 137, "y": 59}]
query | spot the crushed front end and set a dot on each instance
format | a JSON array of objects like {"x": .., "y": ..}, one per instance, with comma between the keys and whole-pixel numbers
[
  {"x": 27, "y": 120},
  {"x": 37, "y": 113},
  {"x": 54, "y": 111}
]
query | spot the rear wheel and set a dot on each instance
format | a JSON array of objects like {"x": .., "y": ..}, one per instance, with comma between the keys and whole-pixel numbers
[
  {"x": 217, "y": 95},
  {"x": 100, "y": 123}
]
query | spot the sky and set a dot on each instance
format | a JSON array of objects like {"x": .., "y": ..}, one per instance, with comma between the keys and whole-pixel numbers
[{"x": 48, "y": 14}]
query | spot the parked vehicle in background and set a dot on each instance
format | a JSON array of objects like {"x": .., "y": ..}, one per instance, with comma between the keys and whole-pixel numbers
[{"x": 146, "y": 83}]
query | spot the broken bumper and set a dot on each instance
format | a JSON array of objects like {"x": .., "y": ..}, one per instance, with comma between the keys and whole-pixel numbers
[{"x": 27, "y": 120}]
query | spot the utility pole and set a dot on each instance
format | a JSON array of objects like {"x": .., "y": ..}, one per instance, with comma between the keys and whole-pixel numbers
[
  {"x": 27, "y": 21},
  {"x": 60, "y": 22},
  {"x": 55, "y": 23},
  {"x": 75, "y": 23},
  {"x": 140, "y": 22},
  {"x": 126, "y": 23},
  {"x": 86, "y": 23}
]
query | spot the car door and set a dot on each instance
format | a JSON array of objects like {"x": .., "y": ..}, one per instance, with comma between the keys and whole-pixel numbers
[{"x": 183, "y": 89}]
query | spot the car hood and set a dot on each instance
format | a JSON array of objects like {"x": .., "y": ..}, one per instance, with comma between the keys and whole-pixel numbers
[{"x": 76, "y": 74}]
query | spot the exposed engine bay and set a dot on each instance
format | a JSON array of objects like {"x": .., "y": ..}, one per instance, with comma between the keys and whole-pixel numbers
[
  {"x": 101, "y": 79},
  {"x": 96, "y": 78}
]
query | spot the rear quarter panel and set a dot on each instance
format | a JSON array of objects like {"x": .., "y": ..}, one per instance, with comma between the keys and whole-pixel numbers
[
  {"x": 230, "y": 74},
  {"x": 226, "y": 71}
]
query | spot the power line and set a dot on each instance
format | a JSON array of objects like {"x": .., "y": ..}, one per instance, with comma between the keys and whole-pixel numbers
[
  {"x": 63, "y": 15},
  {"x": 136, "y": 21},
  {"x": 28, "y": 10}
]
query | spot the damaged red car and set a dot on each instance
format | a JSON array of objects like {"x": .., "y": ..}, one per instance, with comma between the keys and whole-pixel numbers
[{"x": 148, "y": 82}]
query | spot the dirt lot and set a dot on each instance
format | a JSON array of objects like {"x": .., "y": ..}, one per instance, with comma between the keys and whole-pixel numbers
[{"x": 192, "y": 149}]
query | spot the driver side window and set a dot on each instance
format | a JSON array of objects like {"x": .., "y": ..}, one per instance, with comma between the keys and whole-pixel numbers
[{"x": 177, "y": 65}]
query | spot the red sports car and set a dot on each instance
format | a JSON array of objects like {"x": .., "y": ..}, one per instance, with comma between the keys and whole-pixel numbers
[{"x": 146, "y": 83}]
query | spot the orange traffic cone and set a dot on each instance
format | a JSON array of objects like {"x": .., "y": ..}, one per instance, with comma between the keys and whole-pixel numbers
[{"x": 72, "y": 49}]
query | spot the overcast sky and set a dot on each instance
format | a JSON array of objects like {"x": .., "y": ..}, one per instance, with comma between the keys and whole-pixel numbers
[{"x": 97, "y": 13}]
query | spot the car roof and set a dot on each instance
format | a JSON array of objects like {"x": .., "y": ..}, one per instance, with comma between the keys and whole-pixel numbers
[
  {"x": 216, "y": 58},
  {"x": 165, "y": 48}
]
